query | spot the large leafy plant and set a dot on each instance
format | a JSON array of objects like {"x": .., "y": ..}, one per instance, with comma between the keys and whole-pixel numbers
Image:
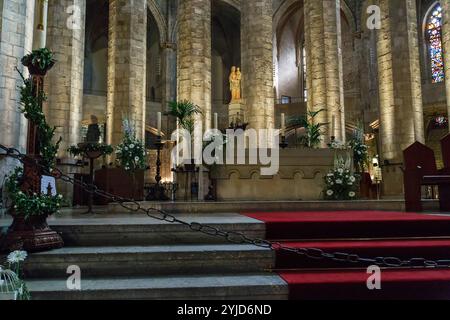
[
  {"x": 104, "y": 149},
  {"x": 184, "y": 111},
  {"x": 39, "y": 61},
  {"x": 31, "y": 107},
  {"x": 312, "y": 137}
]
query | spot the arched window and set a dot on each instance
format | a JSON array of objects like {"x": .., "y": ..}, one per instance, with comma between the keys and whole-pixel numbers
[{"x": 434, "y": 37}]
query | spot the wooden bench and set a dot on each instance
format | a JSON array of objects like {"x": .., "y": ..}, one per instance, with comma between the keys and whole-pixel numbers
[{"x": 421, "y": 170}]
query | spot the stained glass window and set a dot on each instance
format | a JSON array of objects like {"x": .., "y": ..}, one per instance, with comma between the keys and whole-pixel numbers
[{"x": 434, "y": 25}]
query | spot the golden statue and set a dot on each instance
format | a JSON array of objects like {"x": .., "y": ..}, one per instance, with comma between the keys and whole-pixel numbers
[{"x": 235, "y": 84}]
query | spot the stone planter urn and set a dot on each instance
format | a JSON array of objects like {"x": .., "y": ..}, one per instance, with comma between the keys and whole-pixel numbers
[{"x": 32, "y": 235}]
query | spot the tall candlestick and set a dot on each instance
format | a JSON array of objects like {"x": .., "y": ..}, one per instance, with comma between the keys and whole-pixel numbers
[
  {"x": 216, "y": 121},
  {"x": 283, "y": 124},
  {"x": 159, "y": 123}
]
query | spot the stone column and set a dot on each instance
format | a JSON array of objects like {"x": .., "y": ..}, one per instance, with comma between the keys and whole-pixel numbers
[
  {"x": 127, "y": 58},
  {"x": 169, "y": 71},
  {"x": 64, "y": 83},
  {"x": 324, "y": 64},
  {"x": 16, "y": 36},
  {"x": 257, "y": 62},
  {"x": 401, "y": 110},
  {"x": 446, "y": 47},
  {"x": 194, "y": 56}
]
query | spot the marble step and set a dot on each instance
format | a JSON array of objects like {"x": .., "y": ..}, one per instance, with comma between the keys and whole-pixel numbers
[
  {"x": 150, "y": 260},
  {"x": 139, "y": 230},
  {"x": 204, "y": 287}
]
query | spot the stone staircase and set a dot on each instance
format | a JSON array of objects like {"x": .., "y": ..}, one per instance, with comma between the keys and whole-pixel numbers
[{"x": 135, "y": 257}]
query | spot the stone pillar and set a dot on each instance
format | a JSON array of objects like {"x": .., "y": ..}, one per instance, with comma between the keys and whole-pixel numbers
[
  {"x": 257, "y": 62},
  {"x": 446, "y": 47},
  {"x": 16, "y": 36},
  {"x": 40, "y": 24},
  {"x": 64, "y": 83},
  {"x": 401, "y": 110},
  {"x": 194, "y": 56},
  {"x": 324, "y": 64},
  {"x": 169, "y": 71},
  {"x": 127, "y": 58}
]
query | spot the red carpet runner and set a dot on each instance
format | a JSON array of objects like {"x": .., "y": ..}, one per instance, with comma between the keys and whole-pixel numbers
[{"x": 368, "y": 234}]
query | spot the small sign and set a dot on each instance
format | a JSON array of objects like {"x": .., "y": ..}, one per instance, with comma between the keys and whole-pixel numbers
[{"x": 48, "y": 184}]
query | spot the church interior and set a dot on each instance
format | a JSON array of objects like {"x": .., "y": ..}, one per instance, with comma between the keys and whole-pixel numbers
[{"x": 138, "y": 138}]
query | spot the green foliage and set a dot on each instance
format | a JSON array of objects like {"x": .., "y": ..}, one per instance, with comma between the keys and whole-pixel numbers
[
  {"x": 34, "y": 204},
  {"x": 313, "y": 131},
  {"x": 41, "y": 59},
  {"x": 31, "y": 107},
  {"x": 184, "y": 111},
  {"x": 341, "y": 183},
  {"x": 91, "y": 147}
]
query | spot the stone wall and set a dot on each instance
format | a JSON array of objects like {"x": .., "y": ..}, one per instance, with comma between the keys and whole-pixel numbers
[{"x": 15, "y": 42}]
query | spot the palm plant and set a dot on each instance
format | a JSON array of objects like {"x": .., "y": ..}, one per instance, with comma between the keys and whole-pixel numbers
[
  {"x": 184, "y": 111},
  {"x": 313, "y": 131}
]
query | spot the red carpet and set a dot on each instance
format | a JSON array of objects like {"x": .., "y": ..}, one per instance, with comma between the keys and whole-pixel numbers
[
  {"x": 351, "y": 224},
  {"x": 351, "y": 285},
  {"x": 368, "y": 234}
]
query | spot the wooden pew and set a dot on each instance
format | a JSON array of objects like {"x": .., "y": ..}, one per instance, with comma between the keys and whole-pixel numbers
[{"x": 421, "y": 170}]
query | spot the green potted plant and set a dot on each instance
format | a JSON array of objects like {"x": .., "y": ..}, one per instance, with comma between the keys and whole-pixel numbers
[
  {"x": 91, "y": 150},
  {"x": 312, "y": 137},
  {"x": 39, "y": 61},
  {"x": 185, "y": 112}
]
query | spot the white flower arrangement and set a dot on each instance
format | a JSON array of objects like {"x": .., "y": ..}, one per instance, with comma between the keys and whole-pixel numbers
[
  {"x": 340, "y": 183},
  {"x": 131, "y": 154}
]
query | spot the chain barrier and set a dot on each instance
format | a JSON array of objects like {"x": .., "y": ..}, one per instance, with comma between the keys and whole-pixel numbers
[{"x": 233, "y": 236}]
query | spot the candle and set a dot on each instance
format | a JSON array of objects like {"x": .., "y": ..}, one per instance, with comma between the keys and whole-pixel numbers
[
  {"x": 283, "y": 124},
  {"x": 216, "y": 121},
  {"x": 159, "y": 123}
]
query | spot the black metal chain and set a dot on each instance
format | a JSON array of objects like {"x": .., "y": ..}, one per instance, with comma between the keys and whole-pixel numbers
[{"x": 232, "y": 236}]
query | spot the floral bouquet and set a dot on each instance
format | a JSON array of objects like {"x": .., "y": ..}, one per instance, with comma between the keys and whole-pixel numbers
[
  {"x": 27, "y": 204},
  {"x": 131, "y": 154},
  {"x": 360, "y": 149},
  {"x": 341, "y": 183}
]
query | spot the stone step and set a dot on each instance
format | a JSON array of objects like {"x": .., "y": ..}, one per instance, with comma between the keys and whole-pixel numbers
[
  {"x": 205, "y": 287},
  {"x": 150, "y": 260},
  {"x": 139, "y": 230},
  {"x": 274, "y": 206}
]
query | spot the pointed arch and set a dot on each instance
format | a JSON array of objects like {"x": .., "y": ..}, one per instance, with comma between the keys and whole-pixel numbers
[{"x": 159, "y": 18}]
